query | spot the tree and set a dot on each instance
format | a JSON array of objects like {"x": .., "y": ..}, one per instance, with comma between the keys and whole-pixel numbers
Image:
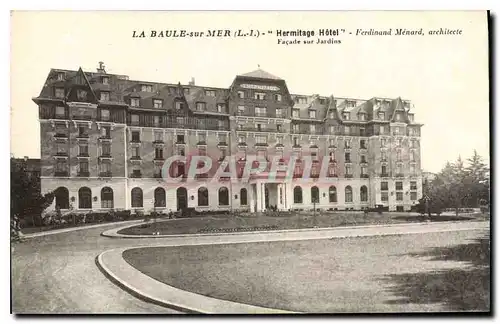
[
  {"x": 457, "y": 186},
  {"x": 26, "y": 201}
]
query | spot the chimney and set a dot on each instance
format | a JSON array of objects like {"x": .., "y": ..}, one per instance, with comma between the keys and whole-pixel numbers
[
  {"x": 192, "y": 82},
  {"x": 26, "y": 158},
  {"x": 101, "y": 68}
]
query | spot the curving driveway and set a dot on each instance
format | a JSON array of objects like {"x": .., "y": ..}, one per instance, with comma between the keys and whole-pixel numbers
[{"x": 58, "y": 273}]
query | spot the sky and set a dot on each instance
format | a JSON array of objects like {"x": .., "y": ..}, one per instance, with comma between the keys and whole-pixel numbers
[{"x": 445, "y": 77}]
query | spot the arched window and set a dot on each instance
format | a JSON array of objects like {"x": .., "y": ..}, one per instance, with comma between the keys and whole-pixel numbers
[
  {"x": 332, "y": 193},
  {"x": 223, "y": 196},
  {"x": 243, "y": 197},
  {"x": 62, "y": 197},
  {"x": 84, "y": 198},
  {"x": 297, "y": 195},
  {"x": 160, "y": 199},
  {"x": 137, "y": 197},
  {"x": 106, "y": 197},
  {"x": 348, "y": 194},
  {"x": 363, "y": 192},
  {"x": 314, "y": 195},
  {"x": 202, "y": 196}
]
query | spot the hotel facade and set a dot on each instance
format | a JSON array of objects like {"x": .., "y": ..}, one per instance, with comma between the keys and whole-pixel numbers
[{"x": 105, "y": 140}]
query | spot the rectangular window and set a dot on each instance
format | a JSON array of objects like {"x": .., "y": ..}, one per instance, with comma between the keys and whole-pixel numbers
[
  {"x": 384, "y": 196},
  {"x": 222, "y": 138},
  {"x": 398, "y": 155},
  {"x": 347, "y": 130},
  {"x": 346, "y": 115},
  {"x": 332, "y": 142},
  {"x": 221, "y": 108},
  {"x": 277, "y": 97},
  {"x": 396, "y": 130},
  {"x": 157, "y": 103},
  {"x": 59, "y": 92},
  {"x": 104, "y": 114},
  {"x": 347, "y": 157},
  {"x": 134, "y": 102},
  {"x": 84, "y": 167},
  {"x": 411, "y": 117},
  {"x": 399, "y": 196},
  {"x": 81, "y": 94},
  {"x": 413, "y": 195},
  {"x": 362, "y": 117},
  {"x": 295, "y": 113},
  {"x": 136, "y": 136},
  {"x": 105, "y": 166},
  {"x": 260, "y": 111},
  {"x": 364, "y": 171},
  {"x": 261, "y": 139},
  {"x": 210, "y": 93},
  {"x": 241, "y": 110},
  {"x": 383, "y": 155},
  {"x": 363, "y": 159},
  {"x": 146, "y": 88},
  {"x": 381, "y": 130},
  {"x": 135, "y": 151},
  {"x": 60, "y": 76},
  {"x": 295, "y": 141},
  {"x": 362, "y": 131},
  {"x": 83, "y": 149},
  {"x": 347, "y": 144},
  {"x": 82, "y": 131},
  {"x": 279, "y": 112},
  {"x": 381, "y": 115},
  {"x": 312, "y": 114},
  {"x": 331, "y": 114},
  {"x": 332, "y": 129},
  {"x": 384, "y": 185},
  {"x": 156, "y": 121},
  {"x": 61, "y": 148},
  {"x": 312, "y": 128},
  {"x": 399, "y": 142},
  {"x": 279, "y": 140},
  {"x": 384, "y": 171},
  {"x": 399, "y": 185},
  {"x": 279, "y": 127},
  {"x": 104, "y": 96},
  {"x": 105, "y": 80},
  {"x": 413, "y": 185},
  {"x": 383, "y": 142},
  {"x": 362, "y": 144},
  {"x": 179, "y": 105},
  {"x": 412, "y": 169},
  {"x": 106, "y": 131},
  {"x": 241, "y": 139},
  {"x": 201, "y": 106},
  {"x": 412, "y": 155},
  {"x": 158, "y": 153},
  {"x": 259, "y": 96},
  {"x": 106, "y": 149},
  {"x": 301, "y": 100},
  {"x": 399, "y": 169},
  {"x": 202, "y": 137},
  {"x": 180, "y": 139},
  {"x": 241, "y": 94},
  {"x": 186, "y": 91},
  {"x": 60, "y": 112},
  {"x": 158, "y": 136},
  {"x": 398, "y": 117},
  {"x": 134, "y": 119},
  {"x": 348, "y": 170}
]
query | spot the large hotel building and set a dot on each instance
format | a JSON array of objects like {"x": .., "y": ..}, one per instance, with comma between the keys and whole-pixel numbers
[{"x": 105, "y": 138}]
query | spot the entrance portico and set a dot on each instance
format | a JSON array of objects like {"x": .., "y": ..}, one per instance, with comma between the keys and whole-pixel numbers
[{"x": 265, "y": 194}]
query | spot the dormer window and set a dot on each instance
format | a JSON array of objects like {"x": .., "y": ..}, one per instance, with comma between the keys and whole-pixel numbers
[
  {"x": 104, "y": 96},
  {"x": 332, "y": 115},
  {"x": 60, "y": 76},
  {"x": 406, "y": 104},
  {"x": 105, "y": 80},
  {"x": 146, "y": 88},
  {"x": 377, "y": 102},
  {"x": 186, "y": 91},
  {"x": 411, "y": 117},
  {"x": 277, "y": 97},
  {"x": 241, "y": 94},
  {"x": 322, "y": 101},
  {"x": 346, "y": 116},
  {"x": 59, "y": 92},
  {"x": 398, "y": 117},
  {"x": 201, "y": 106},
  {"x": 312, "y": 114},
  {"x": 81, "y": 94},
  {"x": 259, "y": 96},
  {"x": 221, "y": 108},
  {"x": 134, "y": 102},
  {"x": 295, "y": 113},
  {"x": 381, "y": 115},
  {"x": 301, "y": 100},
  {"x": 350, "y": 103},
  {"x": 157, "y": 103},
  {"x": 179, "y": 105},
  {"x": 362, "y": 116},
  {"x": 210, "y": 93}
]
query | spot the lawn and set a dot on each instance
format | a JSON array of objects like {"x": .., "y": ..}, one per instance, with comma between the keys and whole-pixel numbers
[
  {"x": 296, "y": 220},
  {"x": 407, "y": 273}
]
